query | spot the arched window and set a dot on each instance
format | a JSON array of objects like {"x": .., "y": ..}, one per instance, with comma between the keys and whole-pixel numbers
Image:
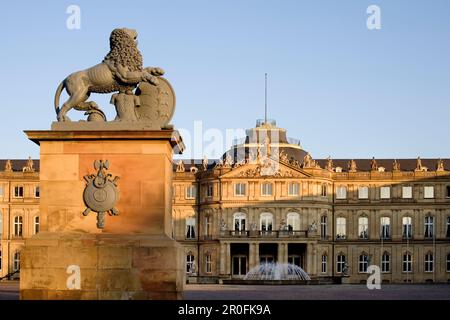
[
  {"x": 190, "y": 228},
  {"x": 18, "y": 221},
  {"x": 407, "y": 227},
  {"x": 407, "y": 262},
  {"x": 341, "y": 232},
  {"x": 385, "y": 227},
  {"x": 240, "y": 219},
  {"x": 429, "y": 262},
  {"x": 36, "y": 225},
  {"x": 340, "y": 262},
  {"x": 363, "y": 228},
  {"x": 266, "y": 221},
  {"x": 363, "y": 263},
  {"x": 190, "y": 263},
  {"x": 386, "y": 262},
  {"x": 429, "y": 227},
  {"x": 324, "y": 262},
  {"x": 293, "y": 221},
  {"x": 208, "y": 263},
  {"x": 323, "y": 226},
  {"x": 16, "y": 265}
]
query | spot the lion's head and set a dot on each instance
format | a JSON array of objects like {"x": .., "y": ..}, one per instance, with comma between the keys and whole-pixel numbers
[{"x": 124, "y": 49}]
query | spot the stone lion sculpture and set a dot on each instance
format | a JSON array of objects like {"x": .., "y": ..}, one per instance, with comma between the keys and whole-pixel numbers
[{"x": 121, "y": 70}]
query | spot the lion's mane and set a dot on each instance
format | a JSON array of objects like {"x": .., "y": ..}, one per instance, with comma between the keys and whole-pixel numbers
[{"x": 123, "y": 51}]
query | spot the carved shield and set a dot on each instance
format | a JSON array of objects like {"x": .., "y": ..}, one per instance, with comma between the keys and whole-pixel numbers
[
  {"x": 157, "y": 102},
  {"x": 100, "y": 199}
]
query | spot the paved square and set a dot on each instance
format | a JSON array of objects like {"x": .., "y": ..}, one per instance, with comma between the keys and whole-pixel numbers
[
  {"x": 319, "y": 292},
  {"x": 10, "y": 291}
]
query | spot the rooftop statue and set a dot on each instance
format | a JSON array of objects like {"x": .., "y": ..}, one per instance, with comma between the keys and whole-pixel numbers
[{"x": 120, "y": 71}]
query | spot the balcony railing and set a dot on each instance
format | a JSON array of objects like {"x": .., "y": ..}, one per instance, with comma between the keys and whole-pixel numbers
[{"x": 264, "y": 234}]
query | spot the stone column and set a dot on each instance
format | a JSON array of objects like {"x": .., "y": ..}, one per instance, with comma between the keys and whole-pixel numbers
[
  {"x": 222, "y": 258},
  {"x": 228, "y": 259},
  {"x": 280, "y": 258},
  {"x": 309, "y": 258},
  {"x": 286, "y": 253}
]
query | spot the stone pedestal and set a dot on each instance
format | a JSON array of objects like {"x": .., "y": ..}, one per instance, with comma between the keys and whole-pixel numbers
[{"x": 133, "y": 256}]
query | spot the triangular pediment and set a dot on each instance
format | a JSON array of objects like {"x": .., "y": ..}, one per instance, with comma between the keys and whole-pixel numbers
[{"x": 266, "y": 169}]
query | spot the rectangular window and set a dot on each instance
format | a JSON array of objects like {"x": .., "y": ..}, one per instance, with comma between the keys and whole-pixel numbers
[
  {"x": 208, "y": 224},
  {"x": 385, "y": 192},
  {"x": 208, "y": 266},
  {"x": 363, "y": 193},
  {"x": 363, "y": 228},
  {"x": 18, "y": 224},
  {"x": 16, "y": 265},
  {"x": 429, "y": 227},
  {"x": 37, "y": 192},
  {"x": 340, "y": 263},
  {"x": 0, "y": 259},
  {"x": 191, "y": 192},
  {"x": 448, "y": 262},
  {"x": 190, "y": 228},
  {"x": 407, "y": 263},
  {"x": 239, "y": 265},
  {"x": 407, "y": 227},
  {"x": 266, "y": 189},
  {"x": 447, "y": 233},
  {"x": 428, "y": 192},
  {"x": 341, "y": 192},
  {"x": 407, "y": 192},
  {"x": 239, "y": 189},
  {"x": 324, "y": 263},
  {"x": 323, "y": 227},
  {"x": 1, "y": 191},
  {"x": 324, "y": 190},
  {"x": 386, "y": 263},
  {"x": 429, "y": 262},
  {"x": 363, "y": 263},
  {"x": 36, "y": 225},
  {"x": 209, "y": 190},
  {"x": 190, "y": 263},
  {"x": 341, "y": 231},
  {"x": 385, "y": 228},
  {"x": 18, "y": 192},
  {"x": 447, "y": 193},
  {"x": 293, "y": 189}
]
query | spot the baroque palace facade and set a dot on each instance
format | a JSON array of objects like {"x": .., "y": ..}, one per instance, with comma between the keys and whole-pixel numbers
[{"x": 267, "y": 200}]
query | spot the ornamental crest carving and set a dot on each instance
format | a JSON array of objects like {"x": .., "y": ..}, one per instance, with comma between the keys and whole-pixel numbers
[{"x": 101, "y": 194}]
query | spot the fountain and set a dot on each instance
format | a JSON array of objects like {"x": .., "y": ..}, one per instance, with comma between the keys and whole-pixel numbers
[{"x": 277, "y": 272}]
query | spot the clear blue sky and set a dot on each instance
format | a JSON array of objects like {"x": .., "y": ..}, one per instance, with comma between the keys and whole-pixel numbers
[{"x": 342, "y": 89}]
